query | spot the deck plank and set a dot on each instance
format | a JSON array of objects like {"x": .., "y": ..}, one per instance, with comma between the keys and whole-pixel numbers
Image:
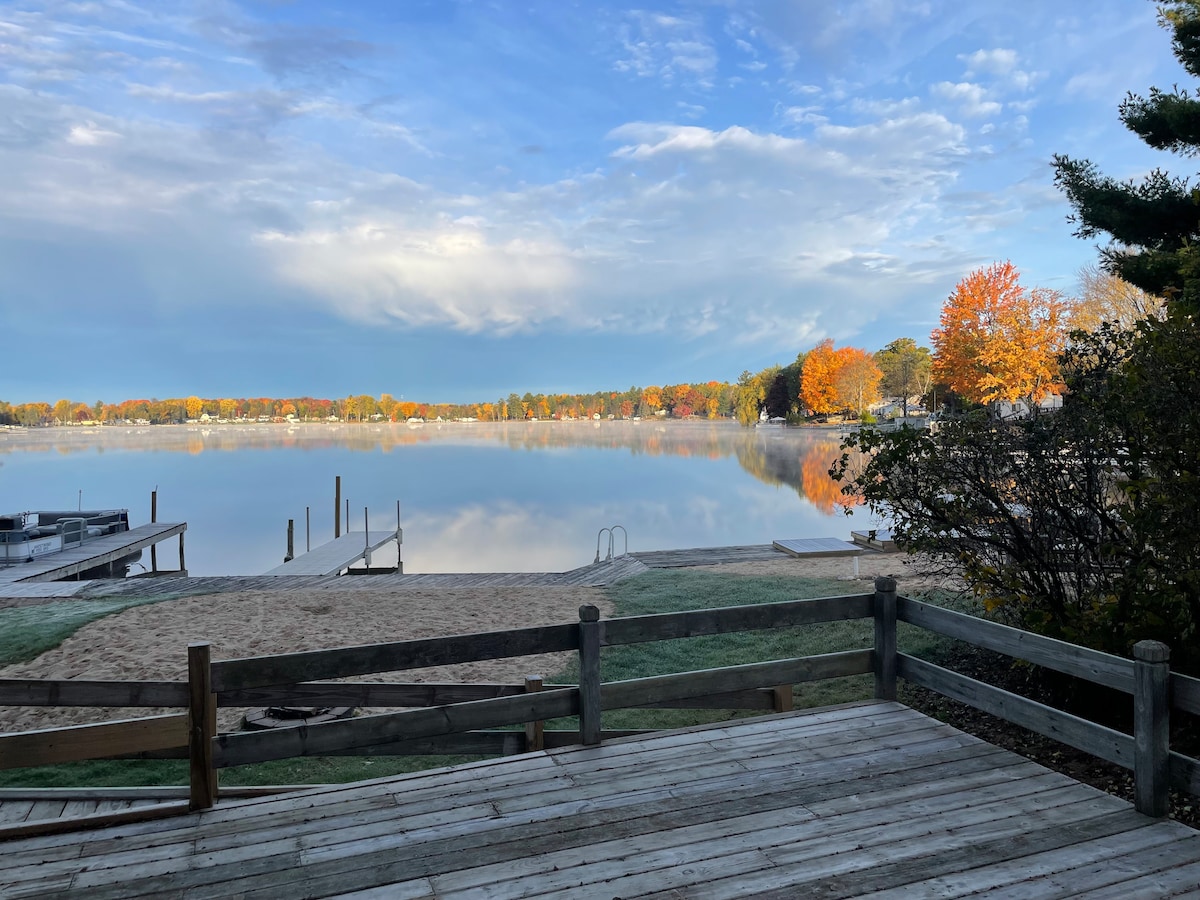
[{"x": 846, "y": 801}]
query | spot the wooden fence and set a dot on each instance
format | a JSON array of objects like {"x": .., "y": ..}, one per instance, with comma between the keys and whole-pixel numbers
[{"x": 457, "y": 718}]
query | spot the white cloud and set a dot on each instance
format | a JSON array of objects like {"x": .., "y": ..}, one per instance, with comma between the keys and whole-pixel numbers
[
  {"x": 970, "y": 98},
  {"x": 999, "y": 61},
  {"x": 666, "y": 47},
  {"x": 454, "y": 275},
  {"x": 90, "y": 135}
]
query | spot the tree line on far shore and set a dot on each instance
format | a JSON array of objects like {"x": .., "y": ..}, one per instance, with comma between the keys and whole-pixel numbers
[{"x": 712, "y": 399}]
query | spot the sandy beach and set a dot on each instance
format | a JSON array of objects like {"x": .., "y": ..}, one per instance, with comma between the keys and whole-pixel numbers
[{"x": 150, "y": 642}]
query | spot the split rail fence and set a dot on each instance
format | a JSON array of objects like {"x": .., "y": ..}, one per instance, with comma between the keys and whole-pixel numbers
[{"x": 456, "y": 718}]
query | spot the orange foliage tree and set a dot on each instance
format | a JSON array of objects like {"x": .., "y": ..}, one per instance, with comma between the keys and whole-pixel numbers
[
  {"x": 817, "y": 390},
  {"x": 836, "y": 380},
  {"x": 856, "y": 379},
  {"x": 998, "y": 341}
]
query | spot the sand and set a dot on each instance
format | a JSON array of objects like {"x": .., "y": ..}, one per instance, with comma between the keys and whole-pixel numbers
[{"x": 149, "y": 643}]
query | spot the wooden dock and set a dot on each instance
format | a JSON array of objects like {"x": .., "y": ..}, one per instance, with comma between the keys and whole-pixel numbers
[
  {"x": 869, "y": 799},
  {"x": 93, "y": 553},
  {"x": 338, "y": 555}
]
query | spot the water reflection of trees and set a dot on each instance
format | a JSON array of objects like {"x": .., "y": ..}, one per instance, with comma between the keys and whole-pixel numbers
[
  {"x": 797, "y": 458},
  {"x": 800, "y": 464}
]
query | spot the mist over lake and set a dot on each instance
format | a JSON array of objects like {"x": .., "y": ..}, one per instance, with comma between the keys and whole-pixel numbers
[{"x": 521, "y": 496}]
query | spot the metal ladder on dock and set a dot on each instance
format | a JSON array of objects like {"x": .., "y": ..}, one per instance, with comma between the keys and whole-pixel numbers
[{"x": 611, "y": 542}]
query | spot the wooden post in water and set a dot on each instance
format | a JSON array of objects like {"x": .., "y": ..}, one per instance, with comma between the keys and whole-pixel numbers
[
  {"x": 291, "y": 551},
  {"x": 337, "y": 506},
  {"x": 535, "y": 732},
  {"x": 202, "y": 727},
  {"x": 589, "y": 675},
  {"x": 885, "y": 638},
  {"x": 307, "y": 530},
  {"x": 153, "y": 519},
  {"x": 1151, "y": 728}
]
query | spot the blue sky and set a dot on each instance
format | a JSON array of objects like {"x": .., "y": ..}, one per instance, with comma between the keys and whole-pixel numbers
[{"x": 450, "y": 201}]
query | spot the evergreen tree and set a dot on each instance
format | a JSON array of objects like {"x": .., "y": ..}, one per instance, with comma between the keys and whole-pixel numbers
[{"x": 1154, "y": 223}]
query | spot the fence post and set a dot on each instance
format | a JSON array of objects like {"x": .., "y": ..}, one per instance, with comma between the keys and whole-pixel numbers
[
  {"x": 1151, "y": 727},
  {"x": 885, "y": 638},
  {"x": 202, "y": 727},
  {"x": 535, "y": 732},
  {"x": 782, "y": 699},
  {"x": 589, "y": 675}
]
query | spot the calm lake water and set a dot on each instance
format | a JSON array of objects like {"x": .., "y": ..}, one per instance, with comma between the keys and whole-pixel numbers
[{"x": 473, "y": 497}]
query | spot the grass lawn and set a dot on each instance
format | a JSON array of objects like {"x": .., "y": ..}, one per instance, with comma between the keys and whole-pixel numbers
[{"x": 657, "y": 591}]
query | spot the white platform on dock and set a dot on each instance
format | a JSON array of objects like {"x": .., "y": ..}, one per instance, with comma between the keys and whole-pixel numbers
[
  {"x": 91, "y": 554},
  {"x": 336, "y": 556},
  {"x": 817, "y": 547}
]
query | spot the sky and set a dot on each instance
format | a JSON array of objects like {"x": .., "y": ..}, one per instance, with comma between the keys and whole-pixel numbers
[{"x": 452, "y": 200}]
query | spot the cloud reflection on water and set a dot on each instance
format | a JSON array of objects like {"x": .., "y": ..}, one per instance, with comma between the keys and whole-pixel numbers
[{"x": 476, "y": 497}]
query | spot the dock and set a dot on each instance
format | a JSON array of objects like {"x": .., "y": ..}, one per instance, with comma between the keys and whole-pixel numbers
[
  {"x": 866, "y": 799},
  {"x": 339, "y": 554},
  {"x": 92, "y": 554}
]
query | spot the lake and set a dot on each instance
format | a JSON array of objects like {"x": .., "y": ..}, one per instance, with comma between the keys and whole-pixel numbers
[{"x": 474, "y": 497}]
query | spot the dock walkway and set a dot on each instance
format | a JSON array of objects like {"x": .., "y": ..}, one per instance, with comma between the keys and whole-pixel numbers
[
  {"x": 91, "y": 554},
  {"x": 336, "y": 556},
  {"x": 871, "y": 799}
]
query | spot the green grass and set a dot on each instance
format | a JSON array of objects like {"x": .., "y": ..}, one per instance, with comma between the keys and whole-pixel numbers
[
  {"x": 662, "y": 591},
  {"x": 27, "y": 632},
  {"x": 657, "y": 591}
]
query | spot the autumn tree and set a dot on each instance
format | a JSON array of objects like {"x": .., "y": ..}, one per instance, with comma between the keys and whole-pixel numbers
[
  {"x": 62, "y": 411},
  {"x": 997, "y": 340},
  {"x": 1104, "y": 297},
  {"x": 750, "y": 395},
  {"x": 818, "y": 391},
  {"x": 856, "y": 379},
  {"x": 907, "y": 369}
]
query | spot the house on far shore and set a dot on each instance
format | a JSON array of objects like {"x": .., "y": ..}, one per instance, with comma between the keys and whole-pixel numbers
[{"x": 1020, "y": 409}]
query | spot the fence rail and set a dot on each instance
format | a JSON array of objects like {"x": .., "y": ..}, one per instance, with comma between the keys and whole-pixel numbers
[{"x": 458, "y": 718}]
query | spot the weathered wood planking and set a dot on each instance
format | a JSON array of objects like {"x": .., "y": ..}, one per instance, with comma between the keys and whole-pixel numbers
[
  {"x": 240, "y": 748},
  {"x": 51, "y": 746},
  {"x": 832, "y": 803},
  {"x": 1071, "y": 659},
  {"x": 667, "y": 688},
  {"x": 27, "y": 692},
  {"x": 662, "y": 626},
  {"x": 291, "y": 668},
  {"x": 1097, "y": 740}
]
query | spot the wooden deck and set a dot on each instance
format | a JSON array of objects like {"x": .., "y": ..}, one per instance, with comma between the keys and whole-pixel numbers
[{"x": 872, "y": 799}]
